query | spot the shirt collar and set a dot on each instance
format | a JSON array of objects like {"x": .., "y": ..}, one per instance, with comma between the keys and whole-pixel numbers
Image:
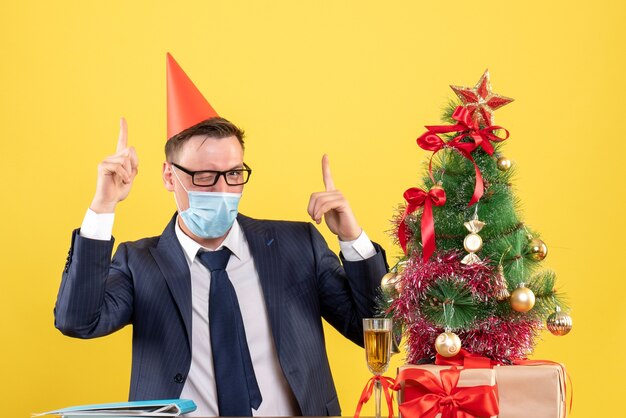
[{"x": 233, "y": 241}]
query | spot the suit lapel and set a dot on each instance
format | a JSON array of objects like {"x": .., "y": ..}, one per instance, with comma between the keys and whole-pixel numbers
[
  {"x": 263, "y": 245},
  {"x": 170, "y": 258}
]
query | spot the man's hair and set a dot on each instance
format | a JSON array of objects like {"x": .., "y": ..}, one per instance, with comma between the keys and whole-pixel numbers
[{"x": 216, "y": 128}]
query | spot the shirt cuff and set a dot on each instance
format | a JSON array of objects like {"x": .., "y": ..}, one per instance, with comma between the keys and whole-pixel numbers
[
  {"x": 97, "y": 225},
  {"x": 358, "y": 249}
]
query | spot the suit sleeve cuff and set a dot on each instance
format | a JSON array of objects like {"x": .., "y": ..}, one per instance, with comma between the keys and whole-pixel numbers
[
  {"x": 97, "y": 225},
  {"x": 358, "y": 249}
]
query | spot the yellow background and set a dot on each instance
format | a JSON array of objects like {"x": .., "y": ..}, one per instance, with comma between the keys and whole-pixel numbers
[{"x": 355, "y": 79}]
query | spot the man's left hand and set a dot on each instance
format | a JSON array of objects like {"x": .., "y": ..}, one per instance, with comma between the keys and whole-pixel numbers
[{"x": 332, "y": 204}]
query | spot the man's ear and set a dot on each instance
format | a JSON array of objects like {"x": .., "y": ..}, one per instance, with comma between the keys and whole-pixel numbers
[{"x": 168, "y": 176}]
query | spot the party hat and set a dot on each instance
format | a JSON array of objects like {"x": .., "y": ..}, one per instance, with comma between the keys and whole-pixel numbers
[{"x": 186, "y": 106}]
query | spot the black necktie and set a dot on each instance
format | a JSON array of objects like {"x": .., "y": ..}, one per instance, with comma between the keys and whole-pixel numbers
[{"x": 237, "y": 388}]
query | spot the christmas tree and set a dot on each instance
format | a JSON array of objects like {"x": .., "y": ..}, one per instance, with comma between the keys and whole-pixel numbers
[{"x": 471, "y": 276}]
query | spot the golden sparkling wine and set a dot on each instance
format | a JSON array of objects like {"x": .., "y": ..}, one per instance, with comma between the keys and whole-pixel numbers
[{"x": 377, "y": 350}]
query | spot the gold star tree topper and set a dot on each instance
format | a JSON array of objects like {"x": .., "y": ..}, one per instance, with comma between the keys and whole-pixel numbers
[{"x": 480, "y": 100}]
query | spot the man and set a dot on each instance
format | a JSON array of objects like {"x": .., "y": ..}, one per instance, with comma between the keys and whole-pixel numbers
[{"x": 251, "y": 344}]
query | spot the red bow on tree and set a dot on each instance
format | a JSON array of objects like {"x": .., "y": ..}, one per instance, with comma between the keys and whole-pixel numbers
[
  {"x": 417, "y": 198},
  {"x": 434, "y": 397},
  {"x": 482, "y": 138}
]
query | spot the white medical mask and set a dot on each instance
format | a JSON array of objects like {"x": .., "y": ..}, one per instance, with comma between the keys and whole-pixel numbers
[{"x": 210, "y": 214}]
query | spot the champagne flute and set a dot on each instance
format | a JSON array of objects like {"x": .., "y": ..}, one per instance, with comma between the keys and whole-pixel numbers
[{"x": 377, "y": 336}]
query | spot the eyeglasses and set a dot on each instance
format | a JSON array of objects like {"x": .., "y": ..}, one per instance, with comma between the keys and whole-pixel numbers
[{"x": 205, "y": 178}]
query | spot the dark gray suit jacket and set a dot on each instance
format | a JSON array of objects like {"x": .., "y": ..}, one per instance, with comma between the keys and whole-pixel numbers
[{"x": 148, "y": 285}]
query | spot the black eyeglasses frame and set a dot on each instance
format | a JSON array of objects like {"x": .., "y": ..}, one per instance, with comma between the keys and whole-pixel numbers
[{"x": 217, "y": 174}]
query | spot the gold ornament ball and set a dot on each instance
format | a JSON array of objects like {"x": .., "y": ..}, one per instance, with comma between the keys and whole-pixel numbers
[
  {"x": 448, "y": 344},
  {"x": 559, "y": 323},
  {"x": 537, "y": 249},
  {"x": 388, "y": 282},
  {"x": 399, "y": 285},
  {"x": 503, "y": 164},
  {"x": 522, "y": 299}
]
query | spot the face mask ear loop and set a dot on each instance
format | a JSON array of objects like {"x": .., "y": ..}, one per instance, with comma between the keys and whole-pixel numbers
[{"x": 181, "y": 185}]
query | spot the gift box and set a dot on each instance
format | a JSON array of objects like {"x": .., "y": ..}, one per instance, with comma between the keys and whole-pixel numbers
[
  {"x": 521, "y": 391},
  {"x": 429, "y": 390},
  {"x": 536, "y": 391}
]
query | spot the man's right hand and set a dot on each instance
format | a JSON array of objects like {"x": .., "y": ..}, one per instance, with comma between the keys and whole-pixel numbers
[{"x": 115, "y": 175}]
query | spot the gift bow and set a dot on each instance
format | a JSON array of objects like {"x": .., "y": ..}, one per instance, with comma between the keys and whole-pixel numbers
[
  {"x": 430, "y": 141},
  {"x": 416, "y": 198},
  {"x": 445, "y": 397},
  {"x": 387, "y": 383}
]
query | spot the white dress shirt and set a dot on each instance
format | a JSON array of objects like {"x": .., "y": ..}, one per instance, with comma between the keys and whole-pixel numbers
[{"x": 278, "y": 399}]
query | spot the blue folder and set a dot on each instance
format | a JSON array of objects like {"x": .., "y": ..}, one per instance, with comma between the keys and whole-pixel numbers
[{"x": 155, "y": 408}]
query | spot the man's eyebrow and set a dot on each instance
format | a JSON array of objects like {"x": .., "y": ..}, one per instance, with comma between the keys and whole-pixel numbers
[{"x": 237, "y": 167}]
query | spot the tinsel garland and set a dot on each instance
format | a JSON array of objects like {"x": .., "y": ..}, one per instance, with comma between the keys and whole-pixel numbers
[{"x": 502, "y": 339}]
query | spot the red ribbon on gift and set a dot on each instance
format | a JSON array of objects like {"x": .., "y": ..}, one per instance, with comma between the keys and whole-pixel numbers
[
  {"x": 466, "y": 359},
  {"x": 430, "y": 141},
  {"x": 445, "y": 397},
  {"x": 417, "y": 198},
  {"x": 387, "y": 383},
  {"x": 470, "y": 360}
]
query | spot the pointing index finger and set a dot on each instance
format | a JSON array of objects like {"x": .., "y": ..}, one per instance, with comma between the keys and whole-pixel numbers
[
  {"x": 328, "y": 179},
  {"x": 122, "y": 140}
]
